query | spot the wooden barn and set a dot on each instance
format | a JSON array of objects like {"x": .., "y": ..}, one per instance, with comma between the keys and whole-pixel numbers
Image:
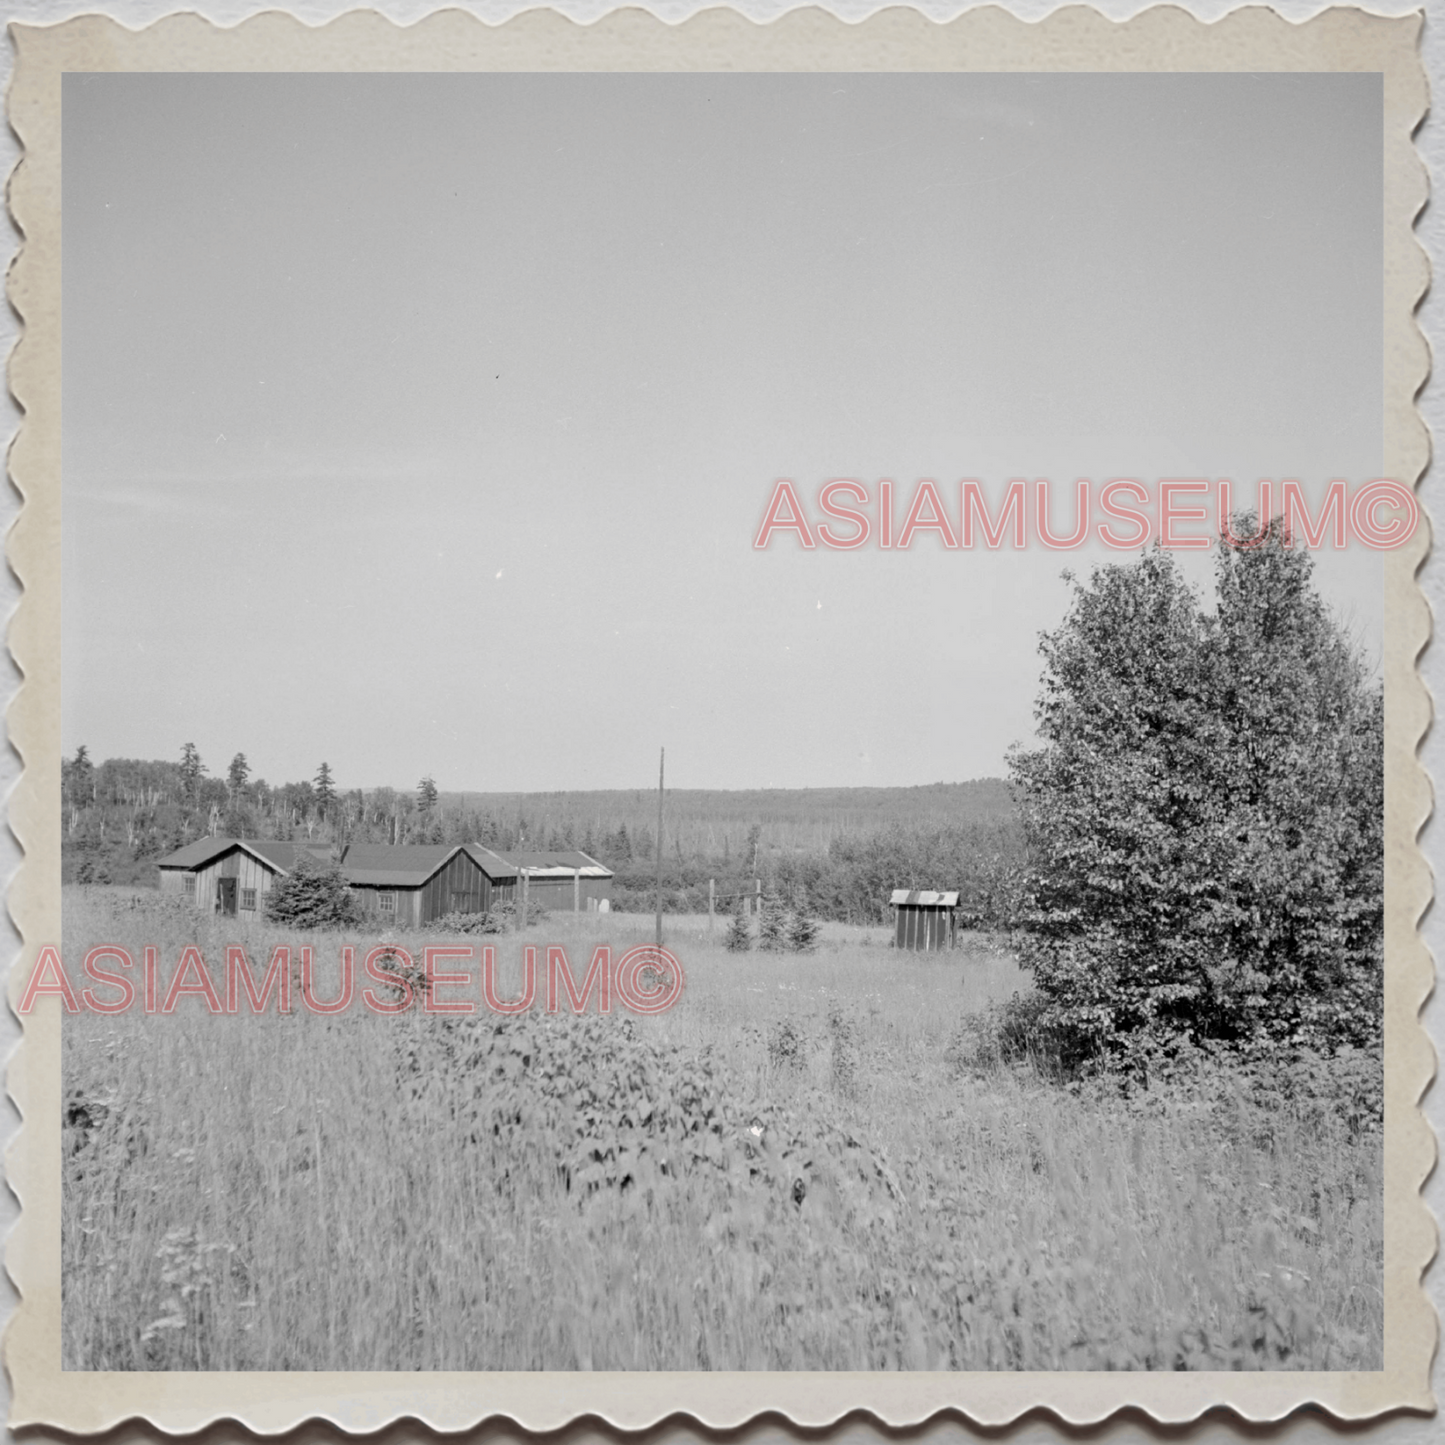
[
  {"x": 232, "y": 875},
  {"x": 564, "y": 882},
  {"x": 406, "y": 884},
  {"x": 925, "y": 921},
  {"x": 411, "y": 884}
]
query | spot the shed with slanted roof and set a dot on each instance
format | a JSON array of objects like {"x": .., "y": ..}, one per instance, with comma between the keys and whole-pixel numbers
[
  {"x": 924, "y": 920},
  {"x": 565, "y": 882}
]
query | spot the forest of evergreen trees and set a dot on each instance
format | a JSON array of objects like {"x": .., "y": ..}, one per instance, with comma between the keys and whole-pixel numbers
[{"x": 837, "y": 852}]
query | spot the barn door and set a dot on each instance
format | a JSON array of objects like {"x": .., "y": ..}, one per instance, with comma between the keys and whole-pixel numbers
[{"x": 226, "y": 896}]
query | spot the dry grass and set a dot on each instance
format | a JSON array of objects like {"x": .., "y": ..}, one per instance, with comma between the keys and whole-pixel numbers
[{"x": 278, "y": 1193}]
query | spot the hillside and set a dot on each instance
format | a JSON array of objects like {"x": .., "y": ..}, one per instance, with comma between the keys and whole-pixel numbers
[
  {"x": 708, "y": 819},
  {"x": 839, "y": 850}
]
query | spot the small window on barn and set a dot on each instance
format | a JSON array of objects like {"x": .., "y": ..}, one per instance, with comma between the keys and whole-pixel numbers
[
  {"x": 248, "y": 898},
  {"x": 188, "y": 884},
  {"x": 386, "y": 902}
]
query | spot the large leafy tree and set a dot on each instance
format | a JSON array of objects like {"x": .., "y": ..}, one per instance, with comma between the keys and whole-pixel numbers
[{"x": 1204, "y": 820}]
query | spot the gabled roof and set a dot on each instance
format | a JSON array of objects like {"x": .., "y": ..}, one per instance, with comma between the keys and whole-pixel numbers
[
  {"x": 395, "y": 865},
  {"x": 389, "y": 865},
  {"x": 922, "y": 897},
  {"x": 279, "y": 857},
  {"x": 558, "y": 865},
  {"x": 492, "y": 864}
]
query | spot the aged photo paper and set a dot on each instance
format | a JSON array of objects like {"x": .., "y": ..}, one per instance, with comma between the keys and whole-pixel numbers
[{"x": 911, "y": 899}]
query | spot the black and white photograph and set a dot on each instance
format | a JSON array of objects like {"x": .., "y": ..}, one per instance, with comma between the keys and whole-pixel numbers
[{"x": 723, "y": 722}]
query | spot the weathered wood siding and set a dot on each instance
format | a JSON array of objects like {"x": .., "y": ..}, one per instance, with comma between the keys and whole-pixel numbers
[
  {"x": 555, "y": 894},
  {"x": 368, "y": 900},
  {"x": 253, "y": 880},
  {"x": 460, "y": 887},
  {"x": 249, "y": 873},
  {"x": 923, "y": 928}
]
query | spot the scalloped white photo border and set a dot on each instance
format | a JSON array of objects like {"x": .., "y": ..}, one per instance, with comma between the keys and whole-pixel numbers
[{"x": 987, "y": 39}]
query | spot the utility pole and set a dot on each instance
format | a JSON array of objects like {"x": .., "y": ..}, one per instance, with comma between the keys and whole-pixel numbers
[{"x": 661, "y": 759}]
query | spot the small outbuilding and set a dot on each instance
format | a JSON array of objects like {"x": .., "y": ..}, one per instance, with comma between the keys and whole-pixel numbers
[
  {"x": 925, "y": 921},
  {"x": 566, "y": 882},
  {"x": 411, "y": 884},
  {"x": 232, "y": 875}
]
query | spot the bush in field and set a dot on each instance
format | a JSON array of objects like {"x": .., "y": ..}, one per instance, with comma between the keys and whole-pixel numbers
[
  {"x": 407, "y": 980},
  {"x": 1006, "y": 1032},
  {"x": 502, "y": 918},
  {"x": 462, "y": 923},
  {"x": 312, "y": 897},
  {"x": 787, "y": 1044},
  {"x": 1205, "y": 818},
  {"x": 609, "y": 1109},
  {"x": 843, "y": 1031},
  {"x": 739, "y": 938}
]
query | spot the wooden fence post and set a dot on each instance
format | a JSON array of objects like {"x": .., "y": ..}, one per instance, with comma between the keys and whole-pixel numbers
[{"x": 711, "y": 900}]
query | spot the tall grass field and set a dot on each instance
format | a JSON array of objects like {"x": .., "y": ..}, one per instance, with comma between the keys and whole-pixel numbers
[{"x": 812, "y": 1162}]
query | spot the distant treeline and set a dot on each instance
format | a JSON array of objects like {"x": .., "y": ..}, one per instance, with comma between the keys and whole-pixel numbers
[{"x": 839, "y": 852}]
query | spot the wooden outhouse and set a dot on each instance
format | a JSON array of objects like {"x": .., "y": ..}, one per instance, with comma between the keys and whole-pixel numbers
[{"x": 924, "y": 921}]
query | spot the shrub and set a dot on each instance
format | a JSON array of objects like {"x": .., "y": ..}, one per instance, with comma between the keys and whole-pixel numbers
[
  {"x": 410, "y": 980},
  {"x": 844, "y": 1033},
  {"x": 1019, "y": 1029},
  {"x": 465, "y": 923},
  {"x": 502, "y": 918},
  {"x": 787, "y": 1045},
  {"x": 312, "y": 897}
]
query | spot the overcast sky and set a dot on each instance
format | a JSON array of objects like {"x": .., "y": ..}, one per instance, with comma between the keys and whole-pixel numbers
[{"x": 423, "y": 423}]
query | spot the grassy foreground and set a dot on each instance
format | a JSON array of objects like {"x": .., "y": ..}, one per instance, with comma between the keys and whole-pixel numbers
[{"x": 368, "y": 1193}]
